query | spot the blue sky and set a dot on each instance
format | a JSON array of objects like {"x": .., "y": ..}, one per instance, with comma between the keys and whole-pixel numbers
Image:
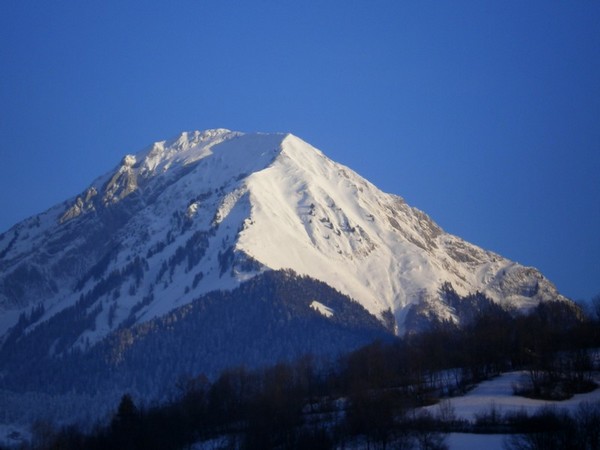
[{"x": 485, "y": 115}]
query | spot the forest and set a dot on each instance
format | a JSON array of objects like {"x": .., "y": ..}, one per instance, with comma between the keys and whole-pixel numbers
[{"x": 370, "y": 398}]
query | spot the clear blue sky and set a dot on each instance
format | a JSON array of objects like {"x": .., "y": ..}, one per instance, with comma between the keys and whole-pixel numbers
[{"x": 484, "y": 114}]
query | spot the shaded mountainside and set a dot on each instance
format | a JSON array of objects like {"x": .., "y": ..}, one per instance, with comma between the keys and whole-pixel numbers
[{"x": 276, "y": 316}]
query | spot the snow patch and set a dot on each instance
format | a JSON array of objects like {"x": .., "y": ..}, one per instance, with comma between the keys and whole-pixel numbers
[{"x": 321, "y": 308}]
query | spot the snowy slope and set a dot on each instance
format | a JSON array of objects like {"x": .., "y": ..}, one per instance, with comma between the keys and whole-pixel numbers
[
  {"x": 322, "y": 219},
  {"x": 211, "y": 209}
]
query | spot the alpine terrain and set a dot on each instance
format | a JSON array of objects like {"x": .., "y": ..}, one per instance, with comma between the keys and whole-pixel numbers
[{"x": 220, "y": 248}]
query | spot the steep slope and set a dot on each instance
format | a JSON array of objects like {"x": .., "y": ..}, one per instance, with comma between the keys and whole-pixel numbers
[
  {"x": 209, "y": 210},
  {"x": 339, "y": 228}
]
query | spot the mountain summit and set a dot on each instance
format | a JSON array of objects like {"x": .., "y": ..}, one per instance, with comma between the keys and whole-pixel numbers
[{"x": 209, "y": 210}]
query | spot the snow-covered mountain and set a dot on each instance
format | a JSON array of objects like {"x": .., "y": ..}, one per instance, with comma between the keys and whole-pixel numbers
[
  {"x": 209, "y": 210},
  {"x": 218, "y": 249}
]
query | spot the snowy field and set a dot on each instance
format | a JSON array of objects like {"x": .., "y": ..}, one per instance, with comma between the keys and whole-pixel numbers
[{"x": 498, "y": 393}]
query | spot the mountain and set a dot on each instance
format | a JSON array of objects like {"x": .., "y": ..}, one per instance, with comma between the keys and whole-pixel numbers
[
  {"x": 211, "y": 209},
  {"x": 199, "y": 226}
]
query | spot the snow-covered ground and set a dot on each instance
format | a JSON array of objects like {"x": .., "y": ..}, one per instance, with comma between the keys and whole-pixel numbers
[{"x": 498, "y": 394}]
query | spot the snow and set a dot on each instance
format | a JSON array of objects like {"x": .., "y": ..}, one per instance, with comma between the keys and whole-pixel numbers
[
  {"x": 321, "y": 308},
  {"x": 185, "y": 149},
  {"x": 337, "y": 227},
  {"x": 498, "y": 393},
  {"x": 129, "y": 160}
]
